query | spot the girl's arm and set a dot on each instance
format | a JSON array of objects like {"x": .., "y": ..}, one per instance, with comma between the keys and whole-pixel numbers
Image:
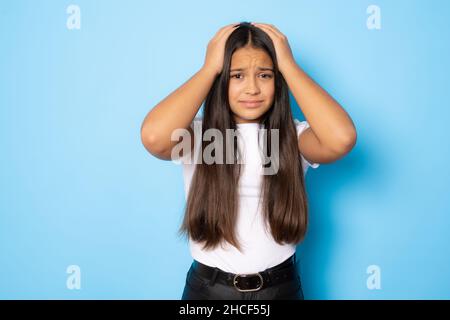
[
  {"x": 179, "y": 108},
  {"x": 176, "y": 111},
  {"x": 332, "y": 133}
]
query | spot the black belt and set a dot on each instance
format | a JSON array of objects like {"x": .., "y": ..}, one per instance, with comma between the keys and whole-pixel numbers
[{"x": 249, "y": 282}]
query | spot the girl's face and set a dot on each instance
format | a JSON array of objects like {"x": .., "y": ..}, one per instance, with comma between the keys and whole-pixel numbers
[{"x": 251, "y": 79}]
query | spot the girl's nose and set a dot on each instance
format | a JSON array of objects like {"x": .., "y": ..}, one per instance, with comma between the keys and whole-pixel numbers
[{"x": 252, "y": 86}]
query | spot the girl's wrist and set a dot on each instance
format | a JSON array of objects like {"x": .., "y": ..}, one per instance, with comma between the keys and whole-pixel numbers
[{"x": 209, "y": 70}]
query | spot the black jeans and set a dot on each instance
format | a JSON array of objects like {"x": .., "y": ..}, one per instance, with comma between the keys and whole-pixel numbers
[{"x": 199, "y": 288}]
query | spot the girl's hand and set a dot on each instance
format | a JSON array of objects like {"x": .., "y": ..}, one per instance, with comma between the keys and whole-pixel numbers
[
  {"x": 283, "y": 50},
  {"x": 216, "y": 48}
]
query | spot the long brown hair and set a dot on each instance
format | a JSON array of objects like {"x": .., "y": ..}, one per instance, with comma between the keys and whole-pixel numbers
[{"x": 212, "y": 203}]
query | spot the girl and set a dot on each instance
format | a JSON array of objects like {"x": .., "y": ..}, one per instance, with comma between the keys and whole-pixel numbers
[{"x": 243, "y": 223}]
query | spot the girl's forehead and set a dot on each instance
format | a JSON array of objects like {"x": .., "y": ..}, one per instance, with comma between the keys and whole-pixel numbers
[
  {"x": 242, "y": 63},
  {"x": 250, "y": 54}
]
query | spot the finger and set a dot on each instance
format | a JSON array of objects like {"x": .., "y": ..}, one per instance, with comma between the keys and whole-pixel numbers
[
  {"x": 232, "y": 25},
  {"x": 269, "y": 26},
  {"x": 227, "y": 29},
  {"x": 224, "y": 29},
  {"x": 270, "y": 29},
  {"x": 270, "y": 32}
]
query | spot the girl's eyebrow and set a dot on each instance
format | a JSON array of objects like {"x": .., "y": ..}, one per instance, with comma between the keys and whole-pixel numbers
[{"x": 259, "y": 68}]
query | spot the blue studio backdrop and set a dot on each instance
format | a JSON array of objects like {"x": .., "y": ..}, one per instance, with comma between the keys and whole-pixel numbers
[{"x": 87, "y": 213}]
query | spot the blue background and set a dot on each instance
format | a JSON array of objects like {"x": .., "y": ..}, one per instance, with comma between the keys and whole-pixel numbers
[{"x": 78, "y": 188}]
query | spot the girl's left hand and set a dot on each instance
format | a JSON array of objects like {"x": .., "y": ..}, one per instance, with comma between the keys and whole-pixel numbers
[{"x": 283, "y": 50}]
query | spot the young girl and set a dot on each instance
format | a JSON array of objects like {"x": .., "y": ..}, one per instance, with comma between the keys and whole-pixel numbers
[{"x": 242, "y": 220}]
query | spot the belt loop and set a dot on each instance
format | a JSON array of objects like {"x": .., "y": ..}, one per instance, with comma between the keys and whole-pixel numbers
[{"x": 214, "y": 276}]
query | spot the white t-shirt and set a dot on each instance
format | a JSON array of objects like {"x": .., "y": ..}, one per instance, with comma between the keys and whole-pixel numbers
[{"x": 260, "y": 251}]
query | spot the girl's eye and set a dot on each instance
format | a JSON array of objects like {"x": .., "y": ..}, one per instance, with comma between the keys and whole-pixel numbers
[{"x": 266, "y": 76}]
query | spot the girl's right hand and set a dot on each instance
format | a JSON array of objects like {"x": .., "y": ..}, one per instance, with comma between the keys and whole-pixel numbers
[{"x": 216, "y": 48}]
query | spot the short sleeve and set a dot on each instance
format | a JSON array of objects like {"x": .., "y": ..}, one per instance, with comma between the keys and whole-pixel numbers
[
  {"x": 197, "y": 121},
  {"x": 300, "y": 127}
]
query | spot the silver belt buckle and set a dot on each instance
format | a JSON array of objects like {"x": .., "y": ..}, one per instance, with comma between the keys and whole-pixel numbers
[{"x": 235, "y": 281}]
